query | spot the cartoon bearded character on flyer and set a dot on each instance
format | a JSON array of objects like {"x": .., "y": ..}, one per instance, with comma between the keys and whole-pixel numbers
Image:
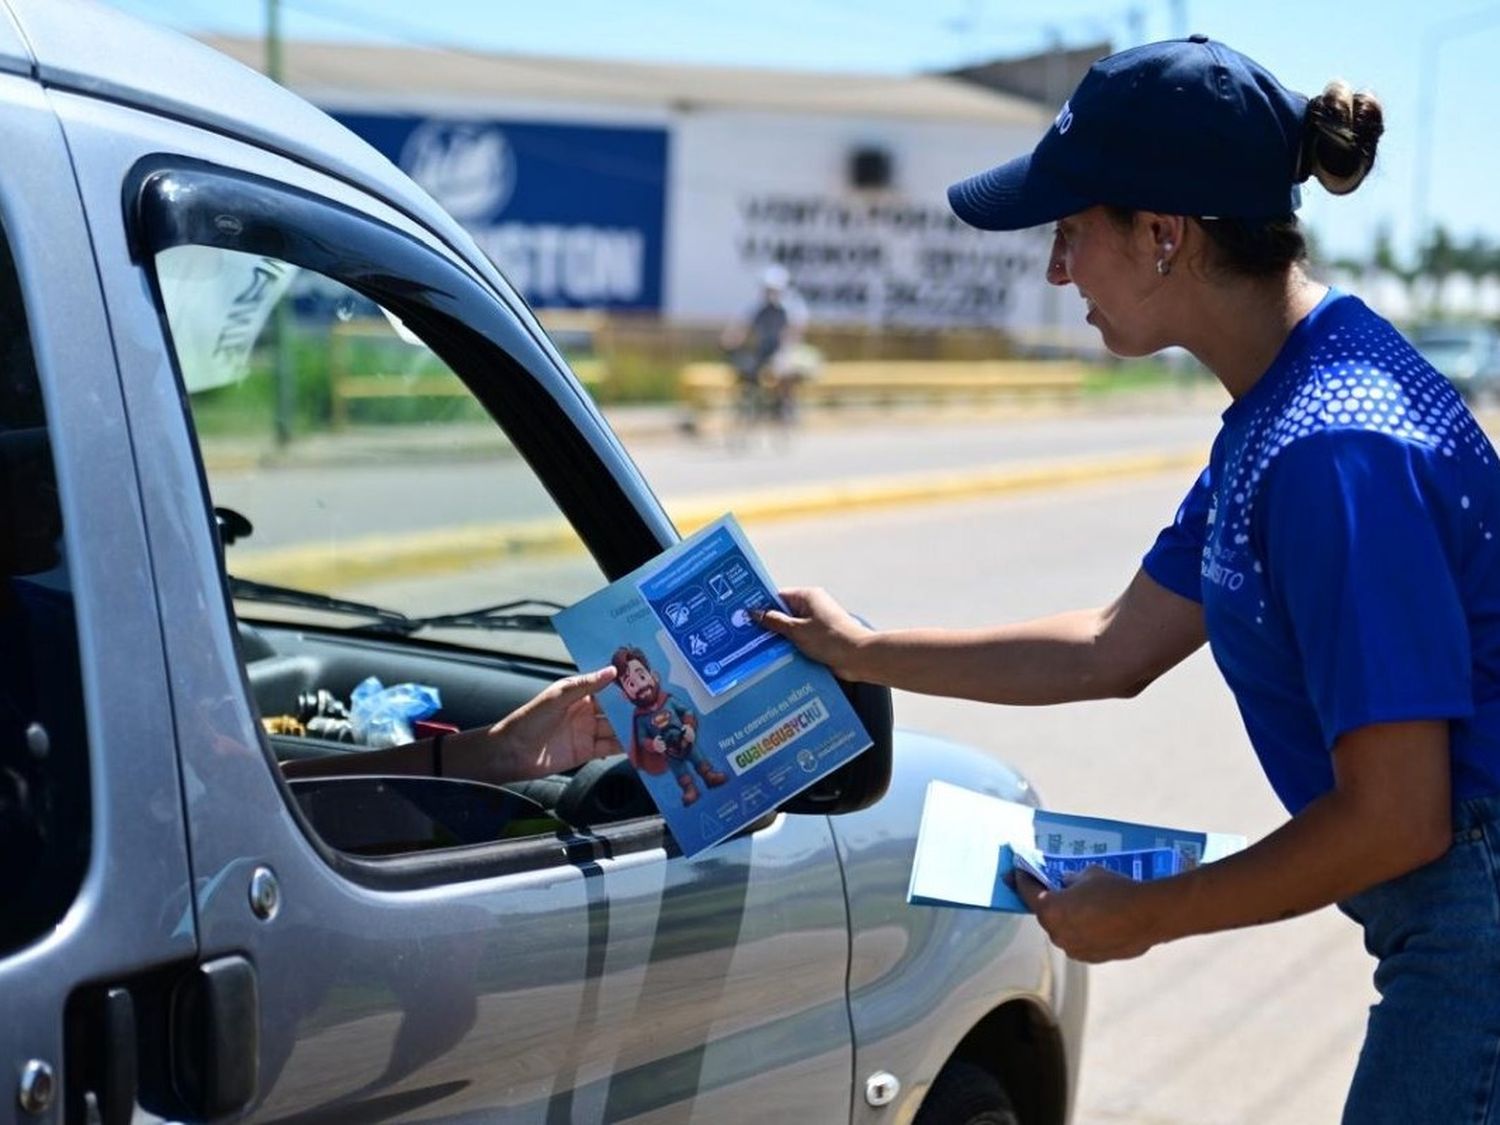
[{"x": 665, "y": 733}]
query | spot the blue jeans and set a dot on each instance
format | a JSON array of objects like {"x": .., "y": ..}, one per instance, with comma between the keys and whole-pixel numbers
[{"x": 1432, "y": 1045}]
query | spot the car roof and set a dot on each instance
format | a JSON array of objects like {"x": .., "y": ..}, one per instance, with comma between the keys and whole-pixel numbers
[{"x": 133, "y": 63}]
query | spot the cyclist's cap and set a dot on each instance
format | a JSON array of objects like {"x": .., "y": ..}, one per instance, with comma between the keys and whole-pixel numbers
[
  {"x": 775, "y": 277},
  {"x": 1184, "y": 127}
]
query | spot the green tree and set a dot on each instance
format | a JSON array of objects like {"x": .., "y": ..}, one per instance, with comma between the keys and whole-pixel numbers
[
  {"x": 1477, "y": 258},
  {"x": 1383, "y": 255},
  {"x": 1438, "y": 257}
]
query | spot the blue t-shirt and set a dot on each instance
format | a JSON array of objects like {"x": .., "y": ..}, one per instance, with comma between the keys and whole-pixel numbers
[{"x": 1343, "y": 544}]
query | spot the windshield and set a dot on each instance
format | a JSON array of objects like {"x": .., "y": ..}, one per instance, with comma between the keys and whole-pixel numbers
[{"x": 364, "y": 467}]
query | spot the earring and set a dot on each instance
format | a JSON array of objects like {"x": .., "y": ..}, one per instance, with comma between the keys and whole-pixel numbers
[{"x": 1163, "y": 267}]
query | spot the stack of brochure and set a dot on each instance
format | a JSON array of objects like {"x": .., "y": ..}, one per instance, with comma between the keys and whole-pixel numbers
[{"x": 969, "y": 844}]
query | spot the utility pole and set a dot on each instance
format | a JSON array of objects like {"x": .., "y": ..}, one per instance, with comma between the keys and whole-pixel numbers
[
  {"x": 280, "y": 322},
  {"x": 1056, "y": 84},
  {"x": 273, "y": 40}
]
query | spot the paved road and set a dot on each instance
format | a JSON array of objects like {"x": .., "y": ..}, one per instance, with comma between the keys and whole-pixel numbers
[{"x": 307, "y": 503}]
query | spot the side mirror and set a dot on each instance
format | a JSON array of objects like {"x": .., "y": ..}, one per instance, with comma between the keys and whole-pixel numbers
[
  {"x": 232, "y": 526},
  {"x": 862, "y": 780}
]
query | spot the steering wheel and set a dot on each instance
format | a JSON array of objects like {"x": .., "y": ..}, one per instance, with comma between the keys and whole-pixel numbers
[{"x": 603, "y": 791}]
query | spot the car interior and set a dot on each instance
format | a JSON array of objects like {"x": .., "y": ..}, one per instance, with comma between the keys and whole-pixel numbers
[
  {"x": 291, "y": 670},
  {"x": 306, "y": 643}
]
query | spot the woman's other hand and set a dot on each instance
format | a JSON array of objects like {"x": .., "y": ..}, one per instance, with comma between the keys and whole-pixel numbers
[
  {"x": 1098, "y": 916},
  {"x": 820, "y": 628},
  {"x": 559, "y": 729}
]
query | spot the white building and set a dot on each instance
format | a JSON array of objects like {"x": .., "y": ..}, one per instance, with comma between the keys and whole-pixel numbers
[{"x": 667, "y": 189}]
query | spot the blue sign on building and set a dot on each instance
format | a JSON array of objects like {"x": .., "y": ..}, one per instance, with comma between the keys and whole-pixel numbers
[{"x": 574, "y": 215}]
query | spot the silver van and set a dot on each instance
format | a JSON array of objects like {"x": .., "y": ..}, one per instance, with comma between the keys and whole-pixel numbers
[{"x": 185, "y": 933}]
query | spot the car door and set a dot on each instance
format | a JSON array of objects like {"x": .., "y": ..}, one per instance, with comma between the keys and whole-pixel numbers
[
  {"x": 552, "y": 976},
  {"x": 96, "y": 920}
]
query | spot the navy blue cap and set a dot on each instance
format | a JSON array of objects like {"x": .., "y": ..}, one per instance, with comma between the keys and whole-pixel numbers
[{"x": 1184, "y": 127}]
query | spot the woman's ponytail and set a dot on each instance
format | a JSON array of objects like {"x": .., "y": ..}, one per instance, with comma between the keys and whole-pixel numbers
[{"x": 1339, "y": 136}]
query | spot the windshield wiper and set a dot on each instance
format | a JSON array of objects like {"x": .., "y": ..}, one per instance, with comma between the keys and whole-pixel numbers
[
  {"x": 250, "y": 590},
  {"x": 506, "y": 615},
  {"x": 529, "y": 615}
]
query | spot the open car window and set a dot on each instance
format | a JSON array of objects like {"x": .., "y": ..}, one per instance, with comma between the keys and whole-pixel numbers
[
  {"x": 350, "y": 465},
  {"x": 375, "y": 522}
]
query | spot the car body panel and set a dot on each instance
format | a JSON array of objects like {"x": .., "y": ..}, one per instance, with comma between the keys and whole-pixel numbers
[
  {"x": 127, "y": 918},
  {"x": 744, "y": 1006},
  {"x": 521, "y": 995},
  {"x": 913, "y": 968},
  {"x": 15, "y": 55}
]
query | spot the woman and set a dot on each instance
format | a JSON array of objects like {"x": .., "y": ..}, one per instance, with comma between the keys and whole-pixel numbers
[{"x": 1337, "y": 554}]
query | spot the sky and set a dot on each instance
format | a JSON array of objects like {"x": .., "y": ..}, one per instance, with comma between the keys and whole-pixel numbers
[{"x": 1433, "y": 64}]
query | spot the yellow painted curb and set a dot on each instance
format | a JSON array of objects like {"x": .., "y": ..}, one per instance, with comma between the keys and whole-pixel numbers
[{"x": 380, "y": 557}]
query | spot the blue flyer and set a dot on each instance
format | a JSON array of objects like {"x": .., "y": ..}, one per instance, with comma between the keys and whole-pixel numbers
[
  {"x": 704, "y": 599},
  {"x": 968, "y": 843},
  {"x": 723, "y": 719},
  {"x": 1141, "y": 865}
]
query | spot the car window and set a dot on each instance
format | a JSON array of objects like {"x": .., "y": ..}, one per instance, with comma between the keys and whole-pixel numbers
[
  {"x": 347, "y": 461},
  {"x": 44, "y": 783},
  {"x": 375, "y": 524}
]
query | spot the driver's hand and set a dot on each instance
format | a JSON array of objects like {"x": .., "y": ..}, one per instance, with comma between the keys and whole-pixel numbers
[{"x": 557, "y": 730}]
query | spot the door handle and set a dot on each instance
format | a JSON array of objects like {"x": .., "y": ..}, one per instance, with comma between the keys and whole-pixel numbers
[
  {"x": 120, "y": 1070},
  {"x": 216, "y": 1037},
  {"x": 104, "y": 1057}
]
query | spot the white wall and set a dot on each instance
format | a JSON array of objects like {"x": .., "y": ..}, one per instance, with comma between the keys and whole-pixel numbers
[
  {"x": 747, "y": 188},
  {"x": 1459, "y": 298},
  {"x": 751, "y": 188}
]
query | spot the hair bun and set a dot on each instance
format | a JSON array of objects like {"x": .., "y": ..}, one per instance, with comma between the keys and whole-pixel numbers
[{"x": 1339, "y": 136}]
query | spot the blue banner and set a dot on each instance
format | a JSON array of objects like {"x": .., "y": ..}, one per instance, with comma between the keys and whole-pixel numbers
[{"x": 574, "y": 215}]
